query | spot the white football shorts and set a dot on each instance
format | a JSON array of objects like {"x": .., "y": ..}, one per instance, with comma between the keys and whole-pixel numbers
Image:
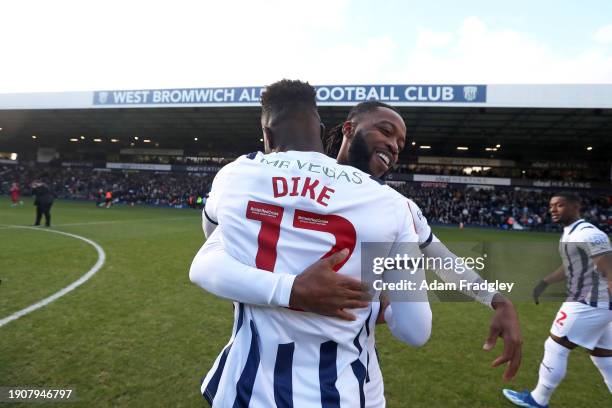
[{"x": 587, "y": 326}]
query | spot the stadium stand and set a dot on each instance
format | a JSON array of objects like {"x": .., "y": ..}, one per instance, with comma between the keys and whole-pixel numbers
[
  {"x": 490, "y": 156},
  {"x": 441, "y": 203},
  {"x": 163, "y": 189}
]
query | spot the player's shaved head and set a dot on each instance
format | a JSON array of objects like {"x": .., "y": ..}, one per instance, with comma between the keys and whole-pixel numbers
[
  {"x": 565, "y": 207},
  {"x": 289, "y": 117},
  {"x": 287, "y": 98},
  {"x": 569, "y": 197}
]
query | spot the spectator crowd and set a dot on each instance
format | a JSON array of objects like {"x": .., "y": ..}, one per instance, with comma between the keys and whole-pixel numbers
[
  {"x": 154, "y": 188},
  {"x": 566, "y": 174},
  {"x": 498, "y": 208}
]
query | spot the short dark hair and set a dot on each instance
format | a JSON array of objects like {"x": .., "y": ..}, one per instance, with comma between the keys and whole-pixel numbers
[
  {"x": 334, "y": 136},
  {"x": 569, "y": 196},
  {"x": 287, "y": 98}
]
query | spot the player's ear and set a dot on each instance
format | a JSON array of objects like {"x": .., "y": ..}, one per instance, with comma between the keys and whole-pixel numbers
[
  {"x": 347, "y": 129},
  {"x": 268, "y": 137}
]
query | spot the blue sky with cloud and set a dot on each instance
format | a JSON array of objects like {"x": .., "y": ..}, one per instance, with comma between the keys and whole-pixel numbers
[
  {"x": 68, "y": 45},
  {"x": 567, "y": 26}
]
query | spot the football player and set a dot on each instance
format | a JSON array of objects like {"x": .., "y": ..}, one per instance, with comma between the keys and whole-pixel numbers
[{"x": 585, "y": 318}]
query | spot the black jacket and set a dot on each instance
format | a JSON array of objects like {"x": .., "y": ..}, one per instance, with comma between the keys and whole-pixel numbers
[{"x": 44, "y": 196}]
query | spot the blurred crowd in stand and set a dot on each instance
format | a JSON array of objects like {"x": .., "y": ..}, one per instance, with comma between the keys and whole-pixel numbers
[
  {"x": 500, "y": 208},
  {"x": 567, "y": 174},
  {"x": 126, "y": 187},
  {"x": 442, "y": 204}
]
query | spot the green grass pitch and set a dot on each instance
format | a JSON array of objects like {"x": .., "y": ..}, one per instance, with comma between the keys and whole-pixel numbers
[{"x": 139, "y": 334}]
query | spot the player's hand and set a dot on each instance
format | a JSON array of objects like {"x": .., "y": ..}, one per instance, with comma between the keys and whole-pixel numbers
[
  {"x": 384, "y": 303},
  {"x": 505, "y": 324},
  {"x": 537, "y": 291},
  {"x": 319, "y": 289}
]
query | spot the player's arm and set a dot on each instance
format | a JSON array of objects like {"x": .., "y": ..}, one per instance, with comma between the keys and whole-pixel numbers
[
  {"x": 604, "y": 265},
  {"x": 409, "y": 316},
  {"x": 214, "y": 270},
  {"x": 410, "y": 320},
  {"x": 504, "y": 323},
  {"x": 208, "y": 223},
  {"x": 209, "y": 213},
  {"x": 599, "y": 248},
  {"x": 438, "y": 250},
  {"x": 558, "y": 275},
  {"x": 432, "y": 247},
  {"x": 318, "y": 289}
]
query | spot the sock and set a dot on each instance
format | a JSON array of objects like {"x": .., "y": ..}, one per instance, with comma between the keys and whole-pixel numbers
[
  {"x": 604, "y": 364},
  {"x": 552, "y": 371}
]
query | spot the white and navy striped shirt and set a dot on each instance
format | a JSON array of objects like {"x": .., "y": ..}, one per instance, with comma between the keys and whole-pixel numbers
[
  {"x": 268, "y": 218},
  {"x": 580, "y": 242}
]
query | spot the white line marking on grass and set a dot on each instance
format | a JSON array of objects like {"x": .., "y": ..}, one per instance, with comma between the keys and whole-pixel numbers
[
  {"x": 78, "y": 224},
  {"x": 67, "y": 289}
]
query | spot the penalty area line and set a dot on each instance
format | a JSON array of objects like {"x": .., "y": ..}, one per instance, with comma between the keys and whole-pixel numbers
[{"x": 99, "y": 263}]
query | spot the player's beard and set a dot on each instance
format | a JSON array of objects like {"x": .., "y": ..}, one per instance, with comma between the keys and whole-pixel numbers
[{"x": 360, "y": 155}]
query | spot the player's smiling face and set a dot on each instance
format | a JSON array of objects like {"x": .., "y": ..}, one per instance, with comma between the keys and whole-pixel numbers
[
  {"x": 562, "y": 211},
  {"x": 378, "y": 138}
]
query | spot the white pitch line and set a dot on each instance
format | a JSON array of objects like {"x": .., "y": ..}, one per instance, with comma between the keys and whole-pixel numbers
[
  {"x": 78, "y": 224},
  {"x": 67, "y": 289},
  {"x": 75, "y": 224}
]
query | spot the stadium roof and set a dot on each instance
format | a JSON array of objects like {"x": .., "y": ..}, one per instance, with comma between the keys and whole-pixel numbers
[
  {"x": 468, "y": 95},
  {"x": 539, "y": 121}
]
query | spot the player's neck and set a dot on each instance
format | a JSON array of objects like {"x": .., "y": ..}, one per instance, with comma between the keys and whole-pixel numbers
[
  {"x": 343, "y": 156},
  {"x": 314, "y": 145},
  {"x": 571, "y": 221}
]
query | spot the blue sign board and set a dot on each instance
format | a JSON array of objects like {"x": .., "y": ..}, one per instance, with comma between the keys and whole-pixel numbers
[{"x": 341, "y": 94}]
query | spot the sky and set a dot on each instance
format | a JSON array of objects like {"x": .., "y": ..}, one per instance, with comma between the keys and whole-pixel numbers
[{"x": 62, "y": 45}]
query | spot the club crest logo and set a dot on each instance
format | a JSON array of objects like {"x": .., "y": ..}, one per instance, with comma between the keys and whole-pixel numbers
[
  {"x": 470, "y": 93},
  {"x": 103, "y": 97}
]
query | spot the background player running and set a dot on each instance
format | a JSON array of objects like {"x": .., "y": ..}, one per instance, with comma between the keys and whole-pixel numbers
[
  {"x": 15, "y": 195},
  {"x": 585, "y": 318}
]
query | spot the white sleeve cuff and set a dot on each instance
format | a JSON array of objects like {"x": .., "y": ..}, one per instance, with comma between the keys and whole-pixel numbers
[
  {"x": 283, "y": 293},
  {"x": 487, "y": 298}
]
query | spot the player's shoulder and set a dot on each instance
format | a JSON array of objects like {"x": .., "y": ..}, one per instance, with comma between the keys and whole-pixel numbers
[
  {"x": 228, "y": 173},
  {"x": 416, "y": 212},
  {"x": 246, "y": 159},
  {"x": 238, "y": 163},
  {"x": 373, "y": 185},
  {"x": 395, "y": 195},
  {"x": 587, "y": 232},
  {"x": 388, "y": 197},
  {"x": 412, "y": 204}
]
